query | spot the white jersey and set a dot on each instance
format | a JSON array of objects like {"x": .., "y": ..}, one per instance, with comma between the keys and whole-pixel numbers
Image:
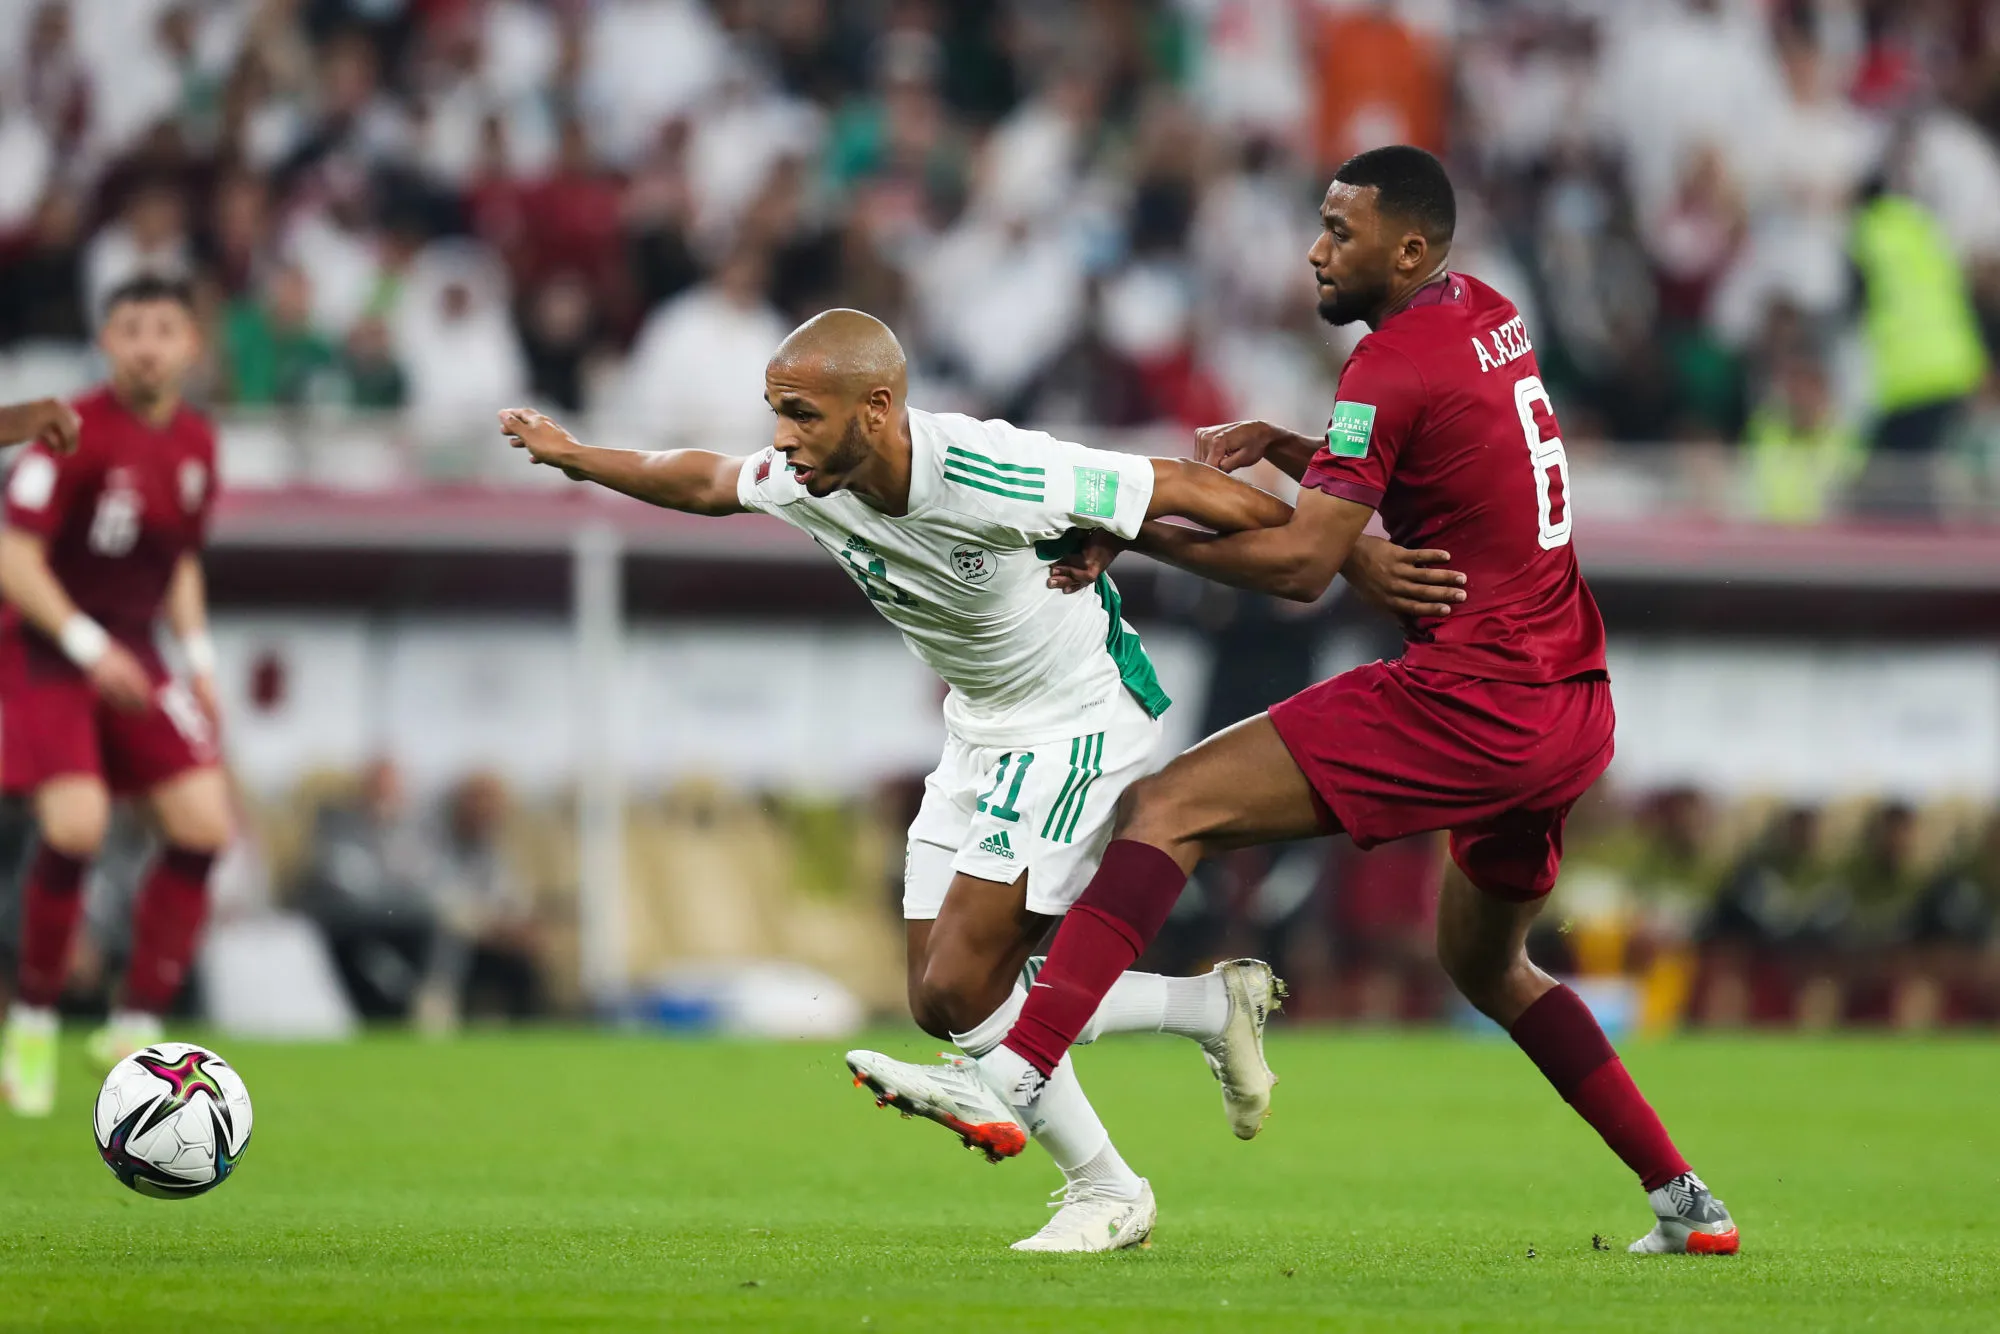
[{"x": 964, "y": 574}]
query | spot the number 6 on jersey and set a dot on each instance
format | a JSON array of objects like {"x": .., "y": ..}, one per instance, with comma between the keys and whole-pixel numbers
[{"x": 1546, "y": 456}]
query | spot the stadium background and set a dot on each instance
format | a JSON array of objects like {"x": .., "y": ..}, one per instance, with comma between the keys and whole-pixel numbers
[{"x": 514, "y": 747}]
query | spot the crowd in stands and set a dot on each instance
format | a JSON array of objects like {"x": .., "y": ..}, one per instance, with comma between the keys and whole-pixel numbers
[
  {"x": 1697, "y": 911},
  {"x": 1702, "y": 912},
  {"x": 430, "y": 911},
  {"x": 1766, "y": 222}
]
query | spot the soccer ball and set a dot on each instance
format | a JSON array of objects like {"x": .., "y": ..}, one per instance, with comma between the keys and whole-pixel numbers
[{"x": 172, "y": 1120}]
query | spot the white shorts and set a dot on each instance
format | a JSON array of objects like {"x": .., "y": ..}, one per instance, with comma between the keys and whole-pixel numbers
[{"x": 993, "y": 813}]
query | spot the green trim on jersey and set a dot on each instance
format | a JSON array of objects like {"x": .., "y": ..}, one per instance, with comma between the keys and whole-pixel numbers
[
  {"x": 1014, "y": 481},
  {"x": 1135, "y": 669},
  {"x": 1032, "y": 497},
  {"x": 976, "y": 460}
]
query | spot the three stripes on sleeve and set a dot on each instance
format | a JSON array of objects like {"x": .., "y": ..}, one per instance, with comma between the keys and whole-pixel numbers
[{"x": 1015, "y": 481}]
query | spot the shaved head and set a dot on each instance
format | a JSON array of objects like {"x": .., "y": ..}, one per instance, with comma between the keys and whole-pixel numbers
[
  {"x": 837, "y": 385},
  {"x": 848, "y": 351}
]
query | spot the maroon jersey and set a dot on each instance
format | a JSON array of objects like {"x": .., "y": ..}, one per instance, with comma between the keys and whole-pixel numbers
[
  {"x": 1442, "y": 425},
  {"x": 117, "y": 516}
]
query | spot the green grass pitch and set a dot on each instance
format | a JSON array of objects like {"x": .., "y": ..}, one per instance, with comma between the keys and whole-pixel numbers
[{"x": 1406, "y": 1182}]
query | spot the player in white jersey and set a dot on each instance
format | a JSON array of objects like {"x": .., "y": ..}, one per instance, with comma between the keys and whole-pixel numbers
[{"x": 952, "y": 527}]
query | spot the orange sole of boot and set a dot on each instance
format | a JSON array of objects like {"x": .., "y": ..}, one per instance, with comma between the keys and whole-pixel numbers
[
  {"x": 1720, "y": 1243},
  {"x": 998, "y": 1140}
]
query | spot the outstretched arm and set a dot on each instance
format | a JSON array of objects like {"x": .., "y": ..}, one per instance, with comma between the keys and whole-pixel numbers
[
  {"x": 693, "y": 480},
  {"x": 1409, "y": 584},
  {"x": 1296, "y": 560},
  {"x": 1185, "y": 489}
]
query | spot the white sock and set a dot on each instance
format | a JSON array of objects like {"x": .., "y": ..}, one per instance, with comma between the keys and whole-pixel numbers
[
  {"x": 1109, "y": 1174},
  {"x": 985, "y": 1035},
  {"x": 1068, "y": 1127},
  {"x": 1057, "y": 1114},
  {"x": 124, "y": 1021},
  {"x": 1189, "y": 1007},
  {"x": 34, "y": 1020}
]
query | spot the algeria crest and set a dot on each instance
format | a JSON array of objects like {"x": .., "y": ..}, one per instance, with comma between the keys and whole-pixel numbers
[{"x": 973, "y": 564}]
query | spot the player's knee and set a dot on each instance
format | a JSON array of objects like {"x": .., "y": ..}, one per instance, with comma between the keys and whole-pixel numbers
[
  {"x": 198, "y": 820},
  {"x": 1485, "y": 976},
  {"x": 945, "y": 1002},
  {"x": 204, "y": 831},
  {"x": 74, "y": 826},
  {"x": 1152, "y": 811}
]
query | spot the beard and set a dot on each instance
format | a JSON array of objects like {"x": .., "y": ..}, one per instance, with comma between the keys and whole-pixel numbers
[
  {"x": 1351, "y": 303},
  {"x": 842, "y": 459}
]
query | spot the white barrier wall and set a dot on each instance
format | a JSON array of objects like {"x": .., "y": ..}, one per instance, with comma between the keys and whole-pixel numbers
[
  {"x": 833, "y": 709},
  {"x": 822, "y": 709},
  {"x": 1910, "y": 721}
]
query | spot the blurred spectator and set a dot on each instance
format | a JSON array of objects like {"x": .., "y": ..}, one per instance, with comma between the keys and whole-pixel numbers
[
  {"x": 366, "y": 882},
  {"x": 740, "y": 132},
  {"x": 901, "y": 142},
  {"x": 150, "y": 238},
  {"x": 484, "y": 957},
  {"x": 658, "y": 213},
  {"x": 806, "y": 252},
  {"x": 1764, "y": 903},
  {"x": 1001, "y": 297},
  {"x": 1961, "y": 905},
  {"x": 272, "y": 354},
  {"x": 1378, "y": 81},
  {"x": 1802, "y": 457},
  {"x": 368, "y": 363},
  {"x": 235, "y": 246},
  {"x": 559, "y": 332},
  {"x": 1923, "y": 340},
  {"x": 42, "y": 272},
  {"x": 697, "y": 370},
  {"x": 1878, "y": 887},
  {"x": 53, "y": 84},
  {"x": 26, "y": 158},
  {"x": 570, "y": 221},
  {"x": 1675, "y": 873},
  {"x": 454, "y": 336}
]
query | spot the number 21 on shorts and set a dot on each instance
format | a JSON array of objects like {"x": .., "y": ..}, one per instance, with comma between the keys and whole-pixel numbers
[{"x": 1547, "y": 459}]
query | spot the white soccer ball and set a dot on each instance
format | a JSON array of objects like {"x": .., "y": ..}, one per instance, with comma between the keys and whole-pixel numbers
[{"x": 172, "y": 1120}]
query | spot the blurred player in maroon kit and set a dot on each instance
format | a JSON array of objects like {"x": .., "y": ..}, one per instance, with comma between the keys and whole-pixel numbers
[
  {"x": 97, "y": 543},
  {"x": 1493, "y": 723}
]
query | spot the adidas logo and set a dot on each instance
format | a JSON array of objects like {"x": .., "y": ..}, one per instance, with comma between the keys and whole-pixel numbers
[{"x": 998, "y": 845}]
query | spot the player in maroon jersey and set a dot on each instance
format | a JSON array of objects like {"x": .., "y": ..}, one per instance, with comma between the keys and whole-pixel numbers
[
  {"x": 98, "y": 542},
  {"x": 1493, "y": 723}
]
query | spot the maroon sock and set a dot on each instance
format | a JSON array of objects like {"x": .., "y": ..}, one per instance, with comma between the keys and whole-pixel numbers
[
  {"x": 51, "y": 901},
  {"x": 165, "y": 925},
  {"x": 1561, "y": 1036},
  {"x": 1113, "y": 921}
]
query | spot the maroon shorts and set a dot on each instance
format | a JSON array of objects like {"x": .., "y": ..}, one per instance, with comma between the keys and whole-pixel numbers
[
  {"x": 55, "y": 726},
  {"x": 1394, "y": 750}
]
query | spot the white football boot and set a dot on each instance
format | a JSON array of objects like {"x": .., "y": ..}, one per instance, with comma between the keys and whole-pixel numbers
[
  {"x": 1691, "y": 1221},
  {"x": 28, "y": 1061},
  {"x": 1236, "y": 1056},
  {"x": 951, "y": 1093},
  {"x": 126, "y": 1032},
  {"x": 1089, "y": 1220}
]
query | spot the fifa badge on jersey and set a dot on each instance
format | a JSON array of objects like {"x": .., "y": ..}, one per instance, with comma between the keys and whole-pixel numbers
[
  {"x": 1347, "y": 434},
  {"x": 1096, "y": 493},
  {"x": 194, "y": 485}
]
